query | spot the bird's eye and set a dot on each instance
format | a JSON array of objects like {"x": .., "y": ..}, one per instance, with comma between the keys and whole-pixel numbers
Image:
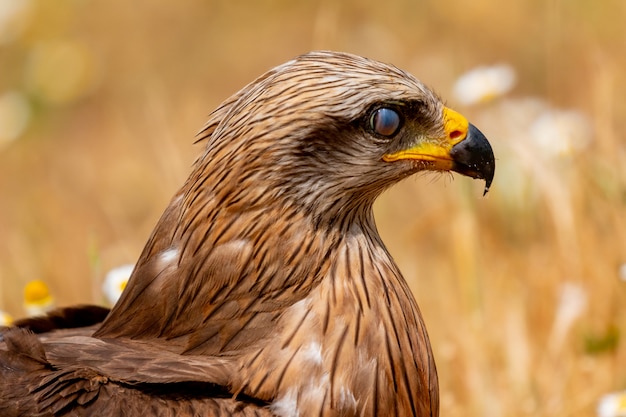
[{"x": 385, "y": 121}]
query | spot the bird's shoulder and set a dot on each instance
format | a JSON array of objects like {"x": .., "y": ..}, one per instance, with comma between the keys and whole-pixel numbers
[{"x": 221, "y": 288}]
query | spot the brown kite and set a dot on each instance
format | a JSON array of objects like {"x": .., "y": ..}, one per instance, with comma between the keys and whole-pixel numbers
[{"x": 265, "y": 288}]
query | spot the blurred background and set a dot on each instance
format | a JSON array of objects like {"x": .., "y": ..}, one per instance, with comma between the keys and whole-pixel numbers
[{"x": 523, "y": 291}]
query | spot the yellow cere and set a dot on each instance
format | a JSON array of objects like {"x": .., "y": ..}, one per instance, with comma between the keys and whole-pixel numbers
[
  {"x": 455, "y": 125},
  {"x": 455, "y": 128}
]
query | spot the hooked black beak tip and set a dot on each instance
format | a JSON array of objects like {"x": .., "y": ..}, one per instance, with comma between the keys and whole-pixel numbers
[{"x": 474, "y": 157}]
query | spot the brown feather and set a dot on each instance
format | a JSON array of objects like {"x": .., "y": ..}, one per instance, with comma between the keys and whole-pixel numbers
[{"x": 64, "y": 318}]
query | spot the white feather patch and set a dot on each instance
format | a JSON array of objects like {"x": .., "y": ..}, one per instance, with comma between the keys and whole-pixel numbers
[
  {"x": 287, "y": 405},
  {"x": 168, "y": 256}
]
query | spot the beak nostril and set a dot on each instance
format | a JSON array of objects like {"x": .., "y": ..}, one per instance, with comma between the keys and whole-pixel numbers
[{"x": 455, "y": 134}]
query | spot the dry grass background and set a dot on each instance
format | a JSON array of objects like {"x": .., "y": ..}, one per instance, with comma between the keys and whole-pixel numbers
[{"x": 118, "y": 89}]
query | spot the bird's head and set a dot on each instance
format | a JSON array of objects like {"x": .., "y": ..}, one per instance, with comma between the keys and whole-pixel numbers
[{"x": 332, "y": 129}]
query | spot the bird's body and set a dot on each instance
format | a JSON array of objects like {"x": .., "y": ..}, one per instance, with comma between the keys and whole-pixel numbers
[{"x": 265, "y": 288}]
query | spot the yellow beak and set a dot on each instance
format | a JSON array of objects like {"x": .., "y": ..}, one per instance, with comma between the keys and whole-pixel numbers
[
  {"x": 462, "y": 148},
  {"x": 437, "y": 150}
]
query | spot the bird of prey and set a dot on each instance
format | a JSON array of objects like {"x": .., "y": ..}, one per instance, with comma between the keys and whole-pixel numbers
[{"x": 265, "y": 288}]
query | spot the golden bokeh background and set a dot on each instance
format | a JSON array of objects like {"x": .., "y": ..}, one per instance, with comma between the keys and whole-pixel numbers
[{"x": 521, "y": 291}]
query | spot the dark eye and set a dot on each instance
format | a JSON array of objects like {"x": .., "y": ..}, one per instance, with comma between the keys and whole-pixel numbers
[{"x": 385, "y": 121}]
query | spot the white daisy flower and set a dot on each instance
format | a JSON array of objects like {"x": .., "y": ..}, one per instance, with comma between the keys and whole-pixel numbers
[
  {"x": 115, "y": 281},
  {"x": 561, "y": 132},
  {"x": 37, "y": 298},
  {"x": 5, "y": 319},
  {"x": 612, "y": 405},
  {"x": 483, "y": 84}
]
